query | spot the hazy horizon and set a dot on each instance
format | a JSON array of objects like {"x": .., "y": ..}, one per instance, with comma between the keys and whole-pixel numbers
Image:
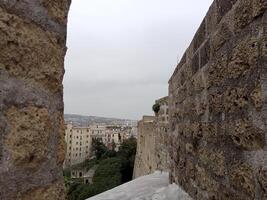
[{"x": 122, "y": 53}]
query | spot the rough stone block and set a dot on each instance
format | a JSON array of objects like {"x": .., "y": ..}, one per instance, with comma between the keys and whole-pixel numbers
[
  {"x": 215, "y": 99},
  {"x": 195, "y": 63},
  {"x": 243, "y": 14},
  {"x": 262, "y": 177},
  {"x": 235, "y": 99},
  {"x": 24, "y": 143},
  {"x": 29, "y": 53},
  {"x": 57, "y": 9},
  {"x": 205, "y": 181},
  {"x": 224, "y": 6},
  {"x": 205, "y": 54},
  {"x": 246, "y": 135},
  {"x": 257, "y": 97},
  {"x": 221, "y": 36},
  {"x": 55, "y": 192},
  {"x": 217, "y": 71},
  {"x": 244, "y": 57},
  {"x": 200, "y": 36},
  {"x": 241, "y": 178},
  {"x": 259, "y": 7},
  {"x": 213, "y": 160}
]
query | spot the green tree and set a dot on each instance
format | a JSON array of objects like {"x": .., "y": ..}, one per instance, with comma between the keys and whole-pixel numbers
[
  {"x": 98, "y": 148},
  {"x": 112, "y": 170},
  {"x": 127, "y": 153},
  {"x": 156, "y": 108}
]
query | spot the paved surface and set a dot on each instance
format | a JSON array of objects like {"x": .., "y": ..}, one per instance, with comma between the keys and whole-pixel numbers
[{"x": 151, "y": 187}]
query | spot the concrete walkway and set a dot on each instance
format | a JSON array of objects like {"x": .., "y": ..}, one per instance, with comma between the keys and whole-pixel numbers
[{"x": 151, "y": 187}]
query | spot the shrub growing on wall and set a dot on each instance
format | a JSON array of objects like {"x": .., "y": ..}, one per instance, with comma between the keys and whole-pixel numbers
[{"x": 156, "y": 108}]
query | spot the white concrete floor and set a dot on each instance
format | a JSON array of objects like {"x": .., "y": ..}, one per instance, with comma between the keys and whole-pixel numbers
[{"x": 151, "y": 187}]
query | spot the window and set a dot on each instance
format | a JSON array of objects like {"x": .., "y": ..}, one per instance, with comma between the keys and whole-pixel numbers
[
  {"x": 76, "y": 155},
  {"x": 70, "y": 141},
  {"x": 77, "y": 143},
  {"x": 70, "y": 135}
]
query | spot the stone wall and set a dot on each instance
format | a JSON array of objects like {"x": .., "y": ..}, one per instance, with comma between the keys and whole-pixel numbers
[
  {"x": 218, "y": 105},
  {"x": 32, "y": 50},
  {"x": 161, "y": 138},
  {"x": 152, "y": 153},
  {"x": 145, "y": 162}
]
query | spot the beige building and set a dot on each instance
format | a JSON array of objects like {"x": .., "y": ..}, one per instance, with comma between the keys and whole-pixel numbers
[
  {"x": 113, "y": 136},
  {"x": 79, "y": 141},
  {"x": 98, "y": 131}
]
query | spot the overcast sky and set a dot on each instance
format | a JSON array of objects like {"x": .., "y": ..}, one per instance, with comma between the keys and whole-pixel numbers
[{"x": 121, "y": 53}]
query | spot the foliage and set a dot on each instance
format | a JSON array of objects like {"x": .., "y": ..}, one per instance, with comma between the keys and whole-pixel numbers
[
  {"x": 127, "y": 153},
  {"x": 67, "y": 173},
  {"x": 156, "y": 108},
  {"x": 98, "y": 148},
  {"x": 108, "y": 173},
  {"x": 87, "y": 164},
  {"x": 113, "y": 169}
]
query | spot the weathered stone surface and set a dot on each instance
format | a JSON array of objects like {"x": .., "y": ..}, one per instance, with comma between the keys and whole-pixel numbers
[
  {"x": 28, "y": 52},
  {"x": 153, "y": 142},
  {"x": 218, "y": 121},
  {"x": 33, "y": 37},
  {"x": 24, "y": 143}
]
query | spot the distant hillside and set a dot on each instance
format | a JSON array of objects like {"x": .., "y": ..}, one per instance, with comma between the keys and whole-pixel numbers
[{"x": 80, "y": 120}]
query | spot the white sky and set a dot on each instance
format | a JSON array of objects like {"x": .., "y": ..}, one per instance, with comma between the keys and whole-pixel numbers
[{"x": 121, "y": 53}]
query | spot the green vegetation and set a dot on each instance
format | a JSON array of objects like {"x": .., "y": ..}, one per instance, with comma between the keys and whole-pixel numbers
[
  {"x": 156, "y": 108},
  {"x": 113, "y": 169},
  {"x": 87, "y": 164}
]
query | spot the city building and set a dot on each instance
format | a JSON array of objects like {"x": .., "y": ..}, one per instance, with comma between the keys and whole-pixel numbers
[{"x": 79, "y": 141}]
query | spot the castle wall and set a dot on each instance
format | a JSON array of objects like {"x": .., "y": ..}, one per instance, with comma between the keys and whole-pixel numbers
[
  {"x": 145, "y": 153},
  {"x": 218, "y": 105},
  {"x": 152, "y": 149},
  {"x": 32, "y": 50},
  {"x": 161, "y": 138}
]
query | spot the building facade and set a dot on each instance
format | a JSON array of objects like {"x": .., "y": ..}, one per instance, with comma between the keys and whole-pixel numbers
[{"x": 79, "y": 142}]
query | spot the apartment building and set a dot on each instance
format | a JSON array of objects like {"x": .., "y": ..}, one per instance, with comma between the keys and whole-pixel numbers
[{"x": 79, "y": 142}]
